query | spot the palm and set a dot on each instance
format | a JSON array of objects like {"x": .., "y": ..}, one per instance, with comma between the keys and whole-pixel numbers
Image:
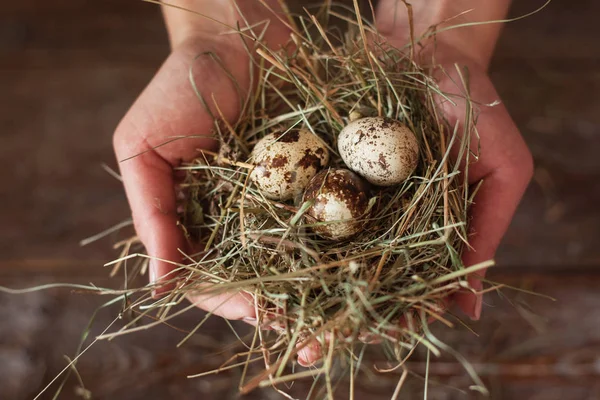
[
  {"x": 504, "y": 165},
  {"x": 170, "y": 108}
]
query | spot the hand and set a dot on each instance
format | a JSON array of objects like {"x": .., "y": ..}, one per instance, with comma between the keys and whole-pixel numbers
[
  {"x": 505, "y": 164},
  {"x": 169, "y": 108}
]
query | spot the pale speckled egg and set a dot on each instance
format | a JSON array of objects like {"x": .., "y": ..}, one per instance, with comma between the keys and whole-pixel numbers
[
  {"x": 340, "y": 203},
  {"x": 285, "y": 163},
  {"x": 383, "y": 151}
]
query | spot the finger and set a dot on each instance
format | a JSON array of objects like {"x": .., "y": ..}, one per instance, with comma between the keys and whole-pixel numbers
[
  {"x": 491, "y": 213},
  {"x": 144, "y": 145},
  {"x": 505, "y": 166},
  {"x": 310, "y": 353},
  {"x": 229, "y": 305},
  {"x": 148, "y": 181}
]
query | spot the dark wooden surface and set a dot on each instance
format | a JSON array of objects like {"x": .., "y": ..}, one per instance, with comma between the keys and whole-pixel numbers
[{"x": 69, "y": 70}]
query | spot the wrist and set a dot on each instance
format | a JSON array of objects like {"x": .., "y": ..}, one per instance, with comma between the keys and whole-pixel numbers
[
  {"x": 187, "y": 19},
  {"x": 475, "y": 42}
]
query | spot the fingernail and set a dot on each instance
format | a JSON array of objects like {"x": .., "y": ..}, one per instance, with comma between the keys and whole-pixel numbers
[
  {"x": 250, "y": 320},
  {"x": 302, "y": 363},
  {"x": 301, "y": 360},
  {"x": 152, "y": 272},
  {"x": 310, "y": 354},
  {"x": 152, "y": 278},
  {"x": 477, "y": 308}
]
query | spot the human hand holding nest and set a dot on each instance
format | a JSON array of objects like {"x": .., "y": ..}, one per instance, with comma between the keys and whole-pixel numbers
[
  {"x": 169, "y": 108},
  {"x": 504, "y": 165}
]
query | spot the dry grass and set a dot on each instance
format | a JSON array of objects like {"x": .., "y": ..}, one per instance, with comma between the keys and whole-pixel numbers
[{"x": 387, "y": 282}]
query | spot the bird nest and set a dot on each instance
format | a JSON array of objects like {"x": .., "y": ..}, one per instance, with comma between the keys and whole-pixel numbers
[{"x": 384, "y": 283}]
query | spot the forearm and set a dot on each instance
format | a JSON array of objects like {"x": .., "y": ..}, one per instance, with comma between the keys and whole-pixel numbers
[{"x": 477, "y": 42}]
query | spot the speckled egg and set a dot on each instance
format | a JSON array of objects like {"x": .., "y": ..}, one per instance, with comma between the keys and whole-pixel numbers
[
  {"x": 340, "y": 203},
  {"x": 382, "y": 150},
  {"x": 285, "y": 163}
]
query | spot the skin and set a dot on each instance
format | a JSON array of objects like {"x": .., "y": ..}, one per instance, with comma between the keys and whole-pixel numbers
[
  {"x": 168, "y": 107},
  {"x": 505, "y": 164}
]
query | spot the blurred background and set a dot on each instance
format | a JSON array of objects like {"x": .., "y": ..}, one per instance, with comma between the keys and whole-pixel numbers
[{"x": 69, "y": 70}]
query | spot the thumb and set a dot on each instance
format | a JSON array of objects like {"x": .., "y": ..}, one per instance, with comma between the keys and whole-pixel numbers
[{"x": 149, "y": 185}]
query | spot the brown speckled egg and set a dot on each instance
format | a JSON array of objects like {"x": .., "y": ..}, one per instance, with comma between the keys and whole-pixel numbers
[
  {"x": 285, "y": 163},
  {"x": 340, "y": 200},
  {"x": 382, "y": 150}
]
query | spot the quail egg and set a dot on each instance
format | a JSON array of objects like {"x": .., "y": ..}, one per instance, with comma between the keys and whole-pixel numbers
[
  {"x": 340, "y": 203},
  {"x": 383, "y": 151},
  {"x": 286, "y": 162}
]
